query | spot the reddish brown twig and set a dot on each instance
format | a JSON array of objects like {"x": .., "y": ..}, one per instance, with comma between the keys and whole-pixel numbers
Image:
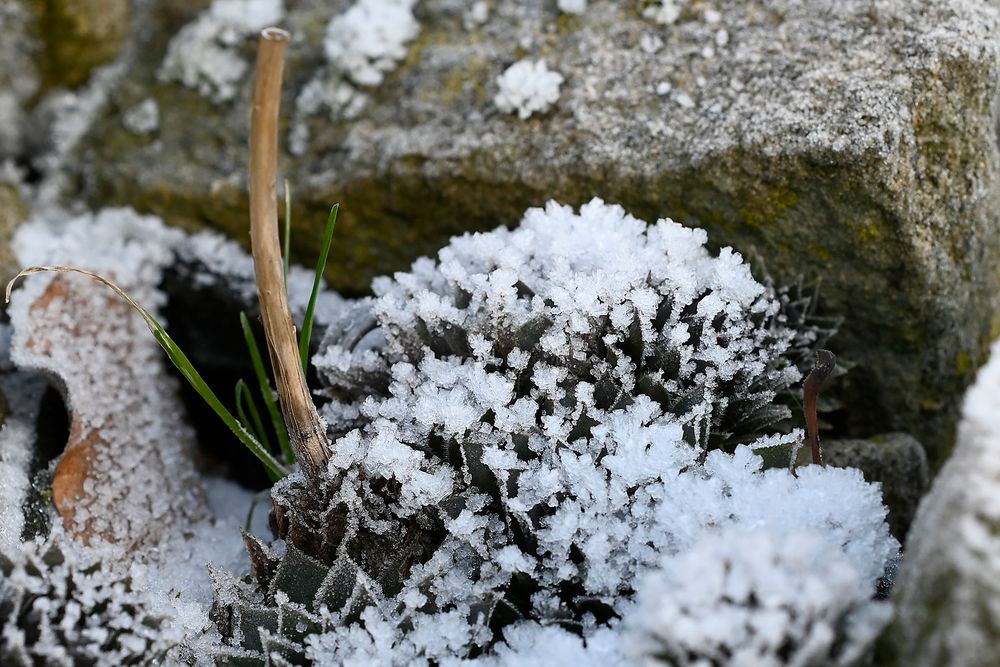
[
  {"x": 825, "y": 363},
  {"x": 305, "y": 429}
]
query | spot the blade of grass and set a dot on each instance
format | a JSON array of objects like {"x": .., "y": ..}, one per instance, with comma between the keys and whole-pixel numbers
[
  {"x": 266, "y": 391},
  {"x": 274, "y": 469},
  {"x": 288, "y": 229},
  {"x": 307, "y": 323},
  {"x": 245, "y": 404}
]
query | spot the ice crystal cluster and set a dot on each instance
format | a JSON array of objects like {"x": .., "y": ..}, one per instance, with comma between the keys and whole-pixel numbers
[
  {"x": 527, "y": 87},
  {"x": 370, "y": 38},
  {"x": 205, "y": 53},
  {"x": 525, "y": 427},
  {"x": 746, "y": 598},
  {"x": 62, "y": 605},
  {"x": 664, "y": 12}
]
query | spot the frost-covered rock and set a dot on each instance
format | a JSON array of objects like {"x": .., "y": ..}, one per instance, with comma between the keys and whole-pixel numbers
[
  {"x": 850, "y": 143},
  {"x": 527, "y": 87},
  {"x": 525, "y": 426},
  {"x": 62, "y": 605},
  {"x": 743, "y": 598},
  {"x": 948, "y": 589}
]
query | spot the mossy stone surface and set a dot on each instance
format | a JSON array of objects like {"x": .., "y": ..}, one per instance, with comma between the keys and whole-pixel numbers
[
  {"x": 849, "y": 143},
  {"x": 13, "y": 212},
  {"x": 79, "y": 35}
]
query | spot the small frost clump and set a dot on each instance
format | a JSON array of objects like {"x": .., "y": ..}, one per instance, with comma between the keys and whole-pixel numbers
[
  {"x": 62, "y": 605},
  {"x": 664, "y": 12},
  {"x": 572, "y": 6},
  {"x": 745, "y": 598},
  {"x": 527, "y": 87},
  {"x": 370, "y": 38},
  {"x": 204, "y": 54},
  {"x": 143, "y": 118}
]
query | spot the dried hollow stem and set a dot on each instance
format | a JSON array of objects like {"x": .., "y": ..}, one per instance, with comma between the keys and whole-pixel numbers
[
  {"x": 306, "y": 430},
  {"x": 826, "y": 361}
]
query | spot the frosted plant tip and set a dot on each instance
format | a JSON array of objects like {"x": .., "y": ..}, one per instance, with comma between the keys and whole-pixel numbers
[{"x": 275, "y": 34}]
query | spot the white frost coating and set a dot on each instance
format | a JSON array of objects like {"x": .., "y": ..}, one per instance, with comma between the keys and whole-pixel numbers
[
  {"x": 17, "y": 439},
  {"x": 527, "y": 87},
  {"x": 948, "y": 588},
  {"x": 746, "y": 598},
  {"x": 204, "y": 54},
  {"x": 143, "y": 118},
  {"x": 369, "y": 39},
  {"x": 64, "y": 604},
  {"x": 603, "y": 504},
  {"x": 115, "y": 377},
  {"x": 572, "y": 6},
  {"x": 664, "y": 12},
  {"x": 477, "y": 15},
  {"x": 124, "y": 405}
]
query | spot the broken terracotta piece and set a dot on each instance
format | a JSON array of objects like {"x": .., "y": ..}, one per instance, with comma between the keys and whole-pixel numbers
[{"x": 127, "y": 474}]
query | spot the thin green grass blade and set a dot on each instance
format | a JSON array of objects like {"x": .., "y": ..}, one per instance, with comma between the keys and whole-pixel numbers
[
  {"x": 307, "y": 323},
  {"x": 274, "y": 469},
  {"x": 245, "y": 404},
  {"x": 265, "y": 389},
  {"x": 288, "y": 229}
]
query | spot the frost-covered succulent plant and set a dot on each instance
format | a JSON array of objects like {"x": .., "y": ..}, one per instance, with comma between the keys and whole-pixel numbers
[
  {"x": 526, "y": 426},
  {"x": 62, "y": 605},
  {"x": 744, "y": 598}
]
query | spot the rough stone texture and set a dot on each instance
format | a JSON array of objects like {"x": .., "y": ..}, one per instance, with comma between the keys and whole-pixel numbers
[
  {"x": 20, "y": 76},
  {"x": 896, "y": 461},
  {"x": 947, "y": 592},
  {"x": 79, "y": 35},
  {"x": 12, "y": 213},
  {"x": 850, "y": 141}
]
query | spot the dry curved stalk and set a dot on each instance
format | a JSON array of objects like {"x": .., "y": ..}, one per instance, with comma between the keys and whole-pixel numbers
[
  {"x": 826, "y": 361},
  {"x": 305, "y": 428}
]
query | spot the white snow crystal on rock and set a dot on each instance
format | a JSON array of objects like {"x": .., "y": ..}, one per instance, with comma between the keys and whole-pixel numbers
[
  {"x": 370, "y": 38},
  {"x": 665, "y": 12},
  {"x": 143, "y": 118},
  {"x": 948, "y": 588},
  {"x": 527, "y": 87},
  {"x": 745, "y": 598},
  {"x": 572, "y": 6},
  {"x": 204, "y": 54}
]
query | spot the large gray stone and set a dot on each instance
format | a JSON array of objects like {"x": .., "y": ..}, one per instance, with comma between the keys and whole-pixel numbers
[
  {"x": 850, "y": 141},
  {"x": 947, "y": 593}
]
